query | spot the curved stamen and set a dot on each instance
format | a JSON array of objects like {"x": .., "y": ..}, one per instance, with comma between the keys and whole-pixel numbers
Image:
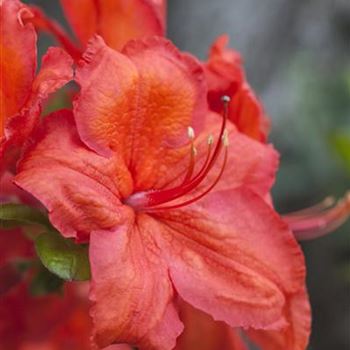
[
  {"x": 146, "y": 200},
  {"x": 317, "y": 208},
  {"x": 192, "y": 200},
  {"x": 160, "y": 197},
  {"x": 318, "y": 223}
]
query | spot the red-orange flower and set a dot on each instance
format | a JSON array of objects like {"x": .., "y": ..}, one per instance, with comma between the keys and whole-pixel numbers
[
  {"x": 22, "y": 90},
  {"x": 165, "y": 215},
  {"x": 117, "y": 21}
]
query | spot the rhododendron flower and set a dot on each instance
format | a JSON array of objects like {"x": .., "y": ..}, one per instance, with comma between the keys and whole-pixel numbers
[
  {"x": 117, "y": 21},
  {"x": 22, "y": 90},
  {"x": 167, "y": 214}
]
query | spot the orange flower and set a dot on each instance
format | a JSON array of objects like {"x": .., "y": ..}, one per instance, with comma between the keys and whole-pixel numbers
[
  {"x": 167, "y": 213},
  {"x": 22, "y": 91}
]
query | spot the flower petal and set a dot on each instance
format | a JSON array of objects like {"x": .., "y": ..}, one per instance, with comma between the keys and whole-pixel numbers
[
  {"x": 18, "y": 58},
  {"x": 143, "y": 100},
  {"x": 225, "y": 76},
  {"x": 293, "y": 337},
  {"x": 56, "y": 70},
  {"x": 231, "y": 256},
  {"x": 86, "y": 186},
  {"x": 202, "y": 332},
  {"x": 247, "y": 114},
  {"x": 131, "y": 290},
  {"x": 116, "y": 21}
]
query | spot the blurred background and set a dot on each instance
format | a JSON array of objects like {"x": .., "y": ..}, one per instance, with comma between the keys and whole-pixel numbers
[{"x": 297, "y": 58}]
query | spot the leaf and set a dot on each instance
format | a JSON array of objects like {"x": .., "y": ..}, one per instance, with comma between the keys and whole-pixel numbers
[
  {"x": 63, "y": 257},
  {"x": 13, "y": 214}
]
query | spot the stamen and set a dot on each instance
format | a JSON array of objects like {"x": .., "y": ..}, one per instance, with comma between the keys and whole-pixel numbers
[
  {"x": 192, "y": 200},
  {"x": 319, "y": 220},
  {"x": 148, "y": 200},
  {"x": 317, "y": 208}
]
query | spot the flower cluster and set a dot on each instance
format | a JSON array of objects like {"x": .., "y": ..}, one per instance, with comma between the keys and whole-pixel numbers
[{"x": 160, "y": 173}]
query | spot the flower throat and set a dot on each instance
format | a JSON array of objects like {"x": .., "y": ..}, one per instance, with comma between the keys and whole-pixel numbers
[{"x": 154, "y": 200}]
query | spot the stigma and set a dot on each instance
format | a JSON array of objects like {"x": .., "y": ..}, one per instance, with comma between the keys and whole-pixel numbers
[
  {"x": 155, "y": 200},
  {"x": 319, "y": 220}
]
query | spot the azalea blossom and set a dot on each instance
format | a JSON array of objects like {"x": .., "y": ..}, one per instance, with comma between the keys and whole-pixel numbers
[
  {"x": 127, "y": 175},
  {"x": 22, "y": 90},
  {"x": 163, "y": 168}
]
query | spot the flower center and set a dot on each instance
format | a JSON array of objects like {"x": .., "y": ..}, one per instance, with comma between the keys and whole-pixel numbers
[{"x": 154, "y": 200}]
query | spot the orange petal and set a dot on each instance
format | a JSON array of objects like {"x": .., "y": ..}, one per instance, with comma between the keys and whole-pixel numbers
[
  {"x": 225, "y": 75},
  {"x": 116, "y": 21},
  {"x": 56, "y": 70},
  {"x": 293, "y": 337},
  {"x": 131, "y": 290},
  {"x": 246, "y": 112},
  {"x": 86, "y": 186},
  {"x": 202, "y": 332},
  {"x": 231, "y": 256},
  {"x": 143, "y": 100},
  {"x": 17, "y": 58}
]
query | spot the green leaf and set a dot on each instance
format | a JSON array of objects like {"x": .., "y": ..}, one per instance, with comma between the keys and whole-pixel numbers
[
  {"x": 13, "y": 215},
  {"x": 63, "y": 257}
]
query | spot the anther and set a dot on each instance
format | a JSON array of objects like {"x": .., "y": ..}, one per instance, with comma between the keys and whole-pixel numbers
[
  {"x": 226, "y": 99},
  {"x": 210, "y": 140},
  {"x": 190, "y": 133}
]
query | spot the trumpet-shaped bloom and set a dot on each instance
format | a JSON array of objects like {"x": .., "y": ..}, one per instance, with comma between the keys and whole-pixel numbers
[
  {"x": 117, "y": 21},
  {"x": 166, "y": 213},
  {"x": 22, "y": 90}
]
